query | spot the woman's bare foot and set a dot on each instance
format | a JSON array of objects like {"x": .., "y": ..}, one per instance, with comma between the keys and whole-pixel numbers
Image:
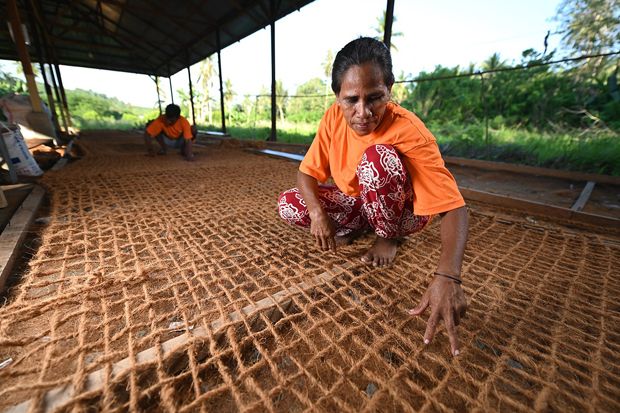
[
  {"x": 382, "y": 252},
  {"x": 349, "y": 238}
]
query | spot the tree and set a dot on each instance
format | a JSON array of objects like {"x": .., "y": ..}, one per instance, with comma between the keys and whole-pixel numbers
[
  {"x": 493, "y": 62},
  {"x": 206, "y": 72},
  {"x": 399, "y": 90},
  {"x": 310, "y": 108},
  {"x": 228, "y": 97},
  {"x": 10, "y": 83},
  {"x": 281, "y": 99},
  {"x": 590, "y": 27}
]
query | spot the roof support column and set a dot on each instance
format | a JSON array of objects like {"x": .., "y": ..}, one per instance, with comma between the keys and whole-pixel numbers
[
  {"x": 48, "y": 89},
  {"x": 219, "y": 69},
  {"x": 171, "y": 93},
  {"x": 158, "y": 95},
  {"x": 38, "y": 120},
  {"x": 52, "y": 63},
  {"x": 61, "y": 108},
  {"x": 273, "y": 71},
  {"x": 191, "y": 95},
  {"x": 389, "y": 19},
  {"x": 62, "y": 92},
  {"x": 170, "y": 83}
]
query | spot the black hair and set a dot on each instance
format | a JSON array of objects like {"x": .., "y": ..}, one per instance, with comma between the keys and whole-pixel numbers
[
  {"x": 173, "y": 111},
  {"x": 360, "y": 51}
]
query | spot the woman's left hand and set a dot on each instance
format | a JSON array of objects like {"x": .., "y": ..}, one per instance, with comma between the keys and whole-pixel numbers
[{"x": 447, "y": 301}]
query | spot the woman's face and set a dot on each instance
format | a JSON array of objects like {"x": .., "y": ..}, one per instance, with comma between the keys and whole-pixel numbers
[{"x": 363, "y": 97}]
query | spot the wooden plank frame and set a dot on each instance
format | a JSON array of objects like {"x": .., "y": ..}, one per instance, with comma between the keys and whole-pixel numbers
[
  {"x": 273, "y": 306},
  {"x": 15, "y": 232},
  {"x": 584, "y": 196}
]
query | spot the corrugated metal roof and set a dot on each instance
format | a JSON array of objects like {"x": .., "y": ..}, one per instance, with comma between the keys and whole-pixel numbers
[{"x": 150, "y": 37}]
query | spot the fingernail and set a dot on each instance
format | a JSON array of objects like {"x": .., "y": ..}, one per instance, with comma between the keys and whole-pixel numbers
[
  {"x": 426, "y": 341},
  {"x": 456, "y": 352}
]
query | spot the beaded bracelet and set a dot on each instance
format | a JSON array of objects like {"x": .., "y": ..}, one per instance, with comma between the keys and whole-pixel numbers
[{"x": 453, "y": 278}]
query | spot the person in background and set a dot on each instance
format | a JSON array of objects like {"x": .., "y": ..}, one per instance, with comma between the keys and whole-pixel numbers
[
  {"x": 170, "y": 130},
  {"x": 389, "y": 178}
]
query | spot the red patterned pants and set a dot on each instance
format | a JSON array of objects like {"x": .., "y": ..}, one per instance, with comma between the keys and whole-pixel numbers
[{"x": 385, "y": 203}]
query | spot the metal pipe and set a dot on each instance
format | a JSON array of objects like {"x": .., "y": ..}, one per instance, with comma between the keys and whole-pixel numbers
[
  {"x": 219, "y": 68},
  {"x": 158, "y": 95},
  {"x": 48, "y": 90},
  {"x": 22, "y": 52},
  {"x": 389, "y": 19},
  {"x": 170, "y": 81},
  {"x": 191, "y": 95},
  {"x": 51, "y": 58},
  {"x": 272, "y": 137},
  {"x": 62, "y": 91}
]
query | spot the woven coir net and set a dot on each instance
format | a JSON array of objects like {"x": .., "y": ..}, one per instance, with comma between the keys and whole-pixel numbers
[{"x": 163, "y": 285}]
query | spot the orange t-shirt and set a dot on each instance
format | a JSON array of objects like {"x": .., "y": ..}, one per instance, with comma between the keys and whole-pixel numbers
[
  {"x": 179, "y": 128},
  {"x": 337, "y": 150}
]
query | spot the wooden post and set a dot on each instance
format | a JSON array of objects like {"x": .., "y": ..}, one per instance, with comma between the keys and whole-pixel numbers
[
  {"x": 219, "y": 68},
  {"x": 389, "y": 19}
]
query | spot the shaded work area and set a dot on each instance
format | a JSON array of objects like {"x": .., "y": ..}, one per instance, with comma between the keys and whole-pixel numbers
[
  {"x": 162, "y": 285},
  {"x": 154, "y": 38}
]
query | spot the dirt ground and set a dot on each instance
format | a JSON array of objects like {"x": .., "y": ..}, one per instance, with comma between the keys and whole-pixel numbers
[
  {"x": 138, "y": 251},
  {"x": 605, "y": 198}
]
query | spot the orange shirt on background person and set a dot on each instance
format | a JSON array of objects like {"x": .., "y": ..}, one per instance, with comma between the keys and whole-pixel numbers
[
  {"x": 337, "y": 150},
  {"x": 180, "y": 128}
]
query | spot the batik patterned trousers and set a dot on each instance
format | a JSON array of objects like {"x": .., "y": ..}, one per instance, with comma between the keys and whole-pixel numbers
[{"x": 385, "y": 203}]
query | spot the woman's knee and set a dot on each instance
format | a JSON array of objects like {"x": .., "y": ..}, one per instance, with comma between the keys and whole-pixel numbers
[
  {"x": 377, "y": 152},
  {"x": 380, "y": 164},
  {"x": 292, "y": 208}
]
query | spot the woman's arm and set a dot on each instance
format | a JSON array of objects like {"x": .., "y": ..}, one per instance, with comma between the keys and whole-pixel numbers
[
  {"x": 444, "y": 295},
  {"x": 321, "y": 225}
]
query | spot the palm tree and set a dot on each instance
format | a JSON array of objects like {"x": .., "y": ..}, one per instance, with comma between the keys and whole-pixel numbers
[
  {"x": 206, "y": 70},
  {"x": 493, "y": 62}
]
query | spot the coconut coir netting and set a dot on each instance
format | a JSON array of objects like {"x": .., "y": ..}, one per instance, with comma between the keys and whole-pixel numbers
[{"x": 163, "y": 285}]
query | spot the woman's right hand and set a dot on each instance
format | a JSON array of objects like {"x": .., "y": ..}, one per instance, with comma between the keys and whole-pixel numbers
[{"x": 323, "y": 231}]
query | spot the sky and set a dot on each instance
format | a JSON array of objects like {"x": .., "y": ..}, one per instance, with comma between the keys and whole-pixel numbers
[{"x": 438, "y": 32}]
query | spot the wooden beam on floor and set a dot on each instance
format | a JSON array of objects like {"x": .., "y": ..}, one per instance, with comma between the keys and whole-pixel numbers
[
  {"x": 538, "y": 208},
  {"x": 15, "y": 232},
  {"x": 584, "y": 196},
  {"x": 58, "y": 397},
  {"x": 532, "y": 170}
]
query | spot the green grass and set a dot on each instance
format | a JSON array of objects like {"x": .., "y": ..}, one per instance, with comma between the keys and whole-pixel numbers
[{"x": 576, "y": 150}]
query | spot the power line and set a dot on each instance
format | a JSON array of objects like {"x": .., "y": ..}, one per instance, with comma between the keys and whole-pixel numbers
[
  {"x": 461, "y": 75},
  {"x": 508, "y": 69}
]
